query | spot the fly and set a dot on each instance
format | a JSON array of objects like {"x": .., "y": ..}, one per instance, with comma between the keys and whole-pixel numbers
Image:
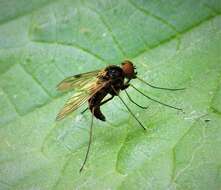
[{"x": 94, "y": 86}]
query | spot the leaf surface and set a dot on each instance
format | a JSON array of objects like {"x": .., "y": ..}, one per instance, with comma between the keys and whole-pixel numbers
[{"x": 172, "y": 43}]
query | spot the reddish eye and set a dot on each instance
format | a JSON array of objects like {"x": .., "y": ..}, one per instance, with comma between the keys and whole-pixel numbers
[{"x": 128, "y": 69}]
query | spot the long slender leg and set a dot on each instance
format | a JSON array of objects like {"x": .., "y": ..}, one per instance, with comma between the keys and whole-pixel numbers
[
  {"x": 128, "y": 108},
  {"x": 157, "y": 87},
  {"x": 84, "y": 110},
  {"x": 155, "y": 99},
  {"x": 105, "y": 101},
  {"x": 143, "y": 107},
  {"x": 89, "y": 143}
]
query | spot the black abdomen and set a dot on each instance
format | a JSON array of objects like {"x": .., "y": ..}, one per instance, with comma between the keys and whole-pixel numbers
[{"x": 94, "y": 104}]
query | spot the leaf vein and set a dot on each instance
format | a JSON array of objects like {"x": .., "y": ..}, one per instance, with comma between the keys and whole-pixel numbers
[
  {"x": 73, "y": 45},
  {"x": 12, "y": 18},
  {"x": 110, "y": 31},
  {"x": 175, "y": 36},
  {"x": 148, "y": 13}
]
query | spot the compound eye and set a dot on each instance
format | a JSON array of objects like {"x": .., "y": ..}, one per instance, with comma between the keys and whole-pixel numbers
[{"x": 112, "y": 72}]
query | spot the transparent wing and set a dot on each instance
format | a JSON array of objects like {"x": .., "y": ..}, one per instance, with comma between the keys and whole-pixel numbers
[
  {"x": 72, "y": 104},
  {"x": 80, "y": 81},
  {"x": 80, "y": 98}
]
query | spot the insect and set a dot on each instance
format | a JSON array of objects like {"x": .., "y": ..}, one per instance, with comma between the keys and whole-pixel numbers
[{"x": 93, "y": 87}]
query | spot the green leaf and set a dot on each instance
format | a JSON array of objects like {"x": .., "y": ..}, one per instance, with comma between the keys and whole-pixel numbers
[{"x": 172, "y": 43}]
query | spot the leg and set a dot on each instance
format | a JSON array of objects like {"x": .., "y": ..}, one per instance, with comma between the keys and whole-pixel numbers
[
  {"x": 155, "y": 99},
  {"x": 126, "y": 85},
  {"x": 84, "y": 110},
  {"x": 134, "y": 101},
  {"x": 157, "y": 87},
  {"x": 129, "y": 110},
  {"x": 89, "y": 143},
  {"x": 105, "y": 101}
]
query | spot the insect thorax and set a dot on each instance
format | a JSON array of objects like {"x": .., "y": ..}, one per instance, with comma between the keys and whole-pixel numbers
[{"x": 114, "y": 72}]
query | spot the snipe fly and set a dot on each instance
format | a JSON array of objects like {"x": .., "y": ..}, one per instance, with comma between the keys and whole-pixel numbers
[{"x": 94, "y": 86}]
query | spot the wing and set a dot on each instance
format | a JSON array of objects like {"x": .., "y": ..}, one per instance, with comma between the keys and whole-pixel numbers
[
  {"x": 79, "y": 98},
  {"x": 72, "y": 104},
  {"x": 80, "y": 81}
]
